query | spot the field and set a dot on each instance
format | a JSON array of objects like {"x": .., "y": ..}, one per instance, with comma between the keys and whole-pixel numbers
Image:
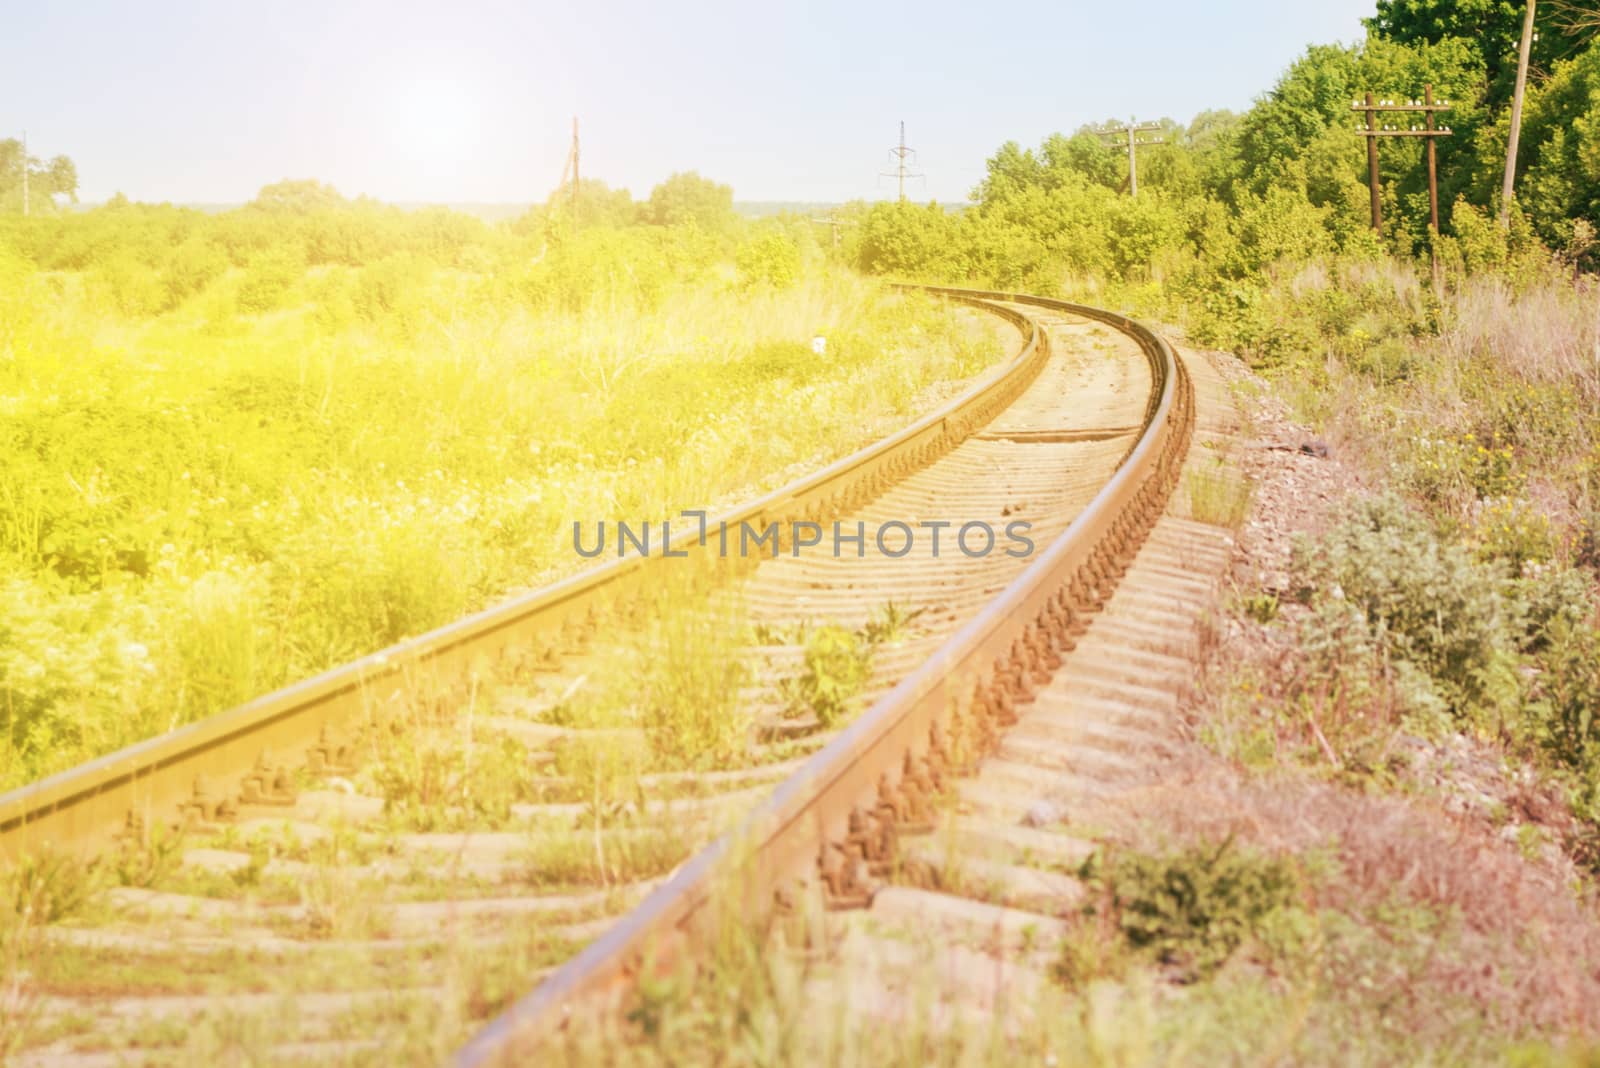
[{"x": 238, "y": 450}]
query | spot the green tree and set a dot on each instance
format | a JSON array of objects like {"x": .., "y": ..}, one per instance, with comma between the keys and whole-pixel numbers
[
  {"x": 46, "y": 181},
  {"x": 1011, "y": 170},
  {"x": 1494, "y": 27},
  {"x": 1560, "y": 153},
  {"x": 598, "y": 205},
  {"x": 686, "y": 198},
  {"x": 1314, "y": 93},
  {"x": 305, "y": 196},
  {"x": 910, "y": 240},
  {"x": 1082, "y": 154},
  {"x": 1302, "y": 131}
]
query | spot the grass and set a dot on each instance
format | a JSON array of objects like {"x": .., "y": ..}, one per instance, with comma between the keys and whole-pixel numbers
[
  {"x": 1216, "y": 494},
  {"x": 205, "y": 503}
]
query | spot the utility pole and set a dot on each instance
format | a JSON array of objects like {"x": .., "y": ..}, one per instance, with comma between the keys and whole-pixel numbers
[
  {"x": 833, "y": 223},
  {"x": 1372, "y": 131},
  {"x": 24, "y": 172},
  {"x": 1130, "y": 132},
  {"x": 570, "y": 167},
  {"x": 574, "y": 169},
  {"x": 1433, "y": 163},
  {"x": 1372, "y": 166},
  {"x": 900, "y": 154},
  {"x": 1516, "y": 116}
]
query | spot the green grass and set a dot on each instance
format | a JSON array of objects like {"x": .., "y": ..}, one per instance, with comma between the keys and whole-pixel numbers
[{"x": 204, "y": 503}]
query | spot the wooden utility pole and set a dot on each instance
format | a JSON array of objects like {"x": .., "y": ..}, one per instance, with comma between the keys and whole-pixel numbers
[
  {"x": 574, "y": 168},
  {"x": 1372, "y": 131},
  {"x": 1130, "y": 133},
  {"x": 1372, "y": 166},
  {"x": 1433, "y": 161},
  {"x": 1506, "y": 187},
  {"x": 24, "y": 172},
  {"x": 900, "y": 154},
  {"x": 570, "y": 168},
  {"x": 833, "y": 223}
]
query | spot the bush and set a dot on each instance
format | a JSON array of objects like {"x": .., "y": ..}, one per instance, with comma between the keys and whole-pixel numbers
[
  {"x": 193, "y": 265},
  {"x": 269, "y": 277},
  {"x": 1569, "y": 699},
  {"x": 1567, "y": 716},
  {"x": 128, "y": 286},
  {"x": 607, "y": 267},
  {"x": 1432, "y": 602},
  {"x": 1552, "y": 598},
  {"x": 1194, "y": 907},
  {"x": 771, "y": 259},
  {"x": 391, "y": 289}
]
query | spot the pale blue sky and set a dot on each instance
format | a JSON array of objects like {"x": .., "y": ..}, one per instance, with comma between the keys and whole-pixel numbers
[{"x": 472, "y": 100}]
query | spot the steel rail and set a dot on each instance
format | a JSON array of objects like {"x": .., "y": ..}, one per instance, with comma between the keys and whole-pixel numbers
[
  {"x": 243, "y": 756},
  {"x": 875, "y": 774}
]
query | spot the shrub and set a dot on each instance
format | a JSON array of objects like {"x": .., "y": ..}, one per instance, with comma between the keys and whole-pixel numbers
[
  {"x": 390, "y": 289},
  {"x": 127, "y": 285},
  {"x": 1194, "y": 907},
  {"x": 1567, "y": 716},
  {"x": 1514, "y": 531},
  {"x": 1453, "y": 471},
  {"x": 1569, "y": 698},
  {"x": 1432, "y": 601},
  {"x": 771, "y": 259},
  {"x": 836, "y": 664},
  {"x": 193, "y": 265},
  {"x": 1550, "y": 598},
  {"x": 269, "y": 277}
]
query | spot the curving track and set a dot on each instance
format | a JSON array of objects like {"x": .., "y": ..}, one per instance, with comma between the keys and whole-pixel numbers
[
  {"x": 850, "y": 820},
  {"x": 476, "y": 808}
]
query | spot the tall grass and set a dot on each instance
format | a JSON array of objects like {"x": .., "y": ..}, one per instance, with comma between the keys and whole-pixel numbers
[
  {"x": 207, "y": 502},
  {"x": 1547, "y": 333}
]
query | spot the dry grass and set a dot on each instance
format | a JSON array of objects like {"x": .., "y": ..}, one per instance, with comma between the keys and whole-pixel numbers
[
  {"x": 1217, "y": 494},
  {"x": 1528, "y": 946},
  {"x": 1548, "y": 333}
]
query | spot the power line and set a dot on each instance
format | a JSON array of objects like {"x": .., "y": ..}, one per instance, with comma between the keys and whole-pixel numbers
[
  {"x": 1372, "y": 131},
  {"x": 900, "y": 153},
  {"x": 1129, "y": 132}
]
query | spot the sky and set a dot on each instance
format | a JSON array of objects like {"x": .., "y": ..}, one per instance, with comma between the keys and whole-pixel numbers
[{"x": 473, "y": 100}]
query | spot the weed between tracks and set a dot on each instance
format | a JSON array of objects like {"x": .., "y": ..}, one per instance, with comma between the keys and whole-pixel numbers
[{"x": 589, "y": 781}]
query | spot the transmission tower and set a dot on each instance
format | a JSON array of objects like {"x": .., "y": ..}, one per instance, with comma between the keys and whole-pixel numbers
[{"x": 899, "y": 154}]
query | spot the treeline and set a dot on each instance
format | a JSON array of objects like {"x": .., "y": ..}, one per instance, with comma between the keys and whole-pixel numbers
[
  {"x": 1228, "y": 195},
  {"x": 302, "y": 242}
]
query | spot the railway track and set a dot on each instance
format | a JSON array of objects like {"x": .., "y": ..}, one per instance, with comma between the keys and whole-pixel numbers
[{"x": 475, "y": 810}]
